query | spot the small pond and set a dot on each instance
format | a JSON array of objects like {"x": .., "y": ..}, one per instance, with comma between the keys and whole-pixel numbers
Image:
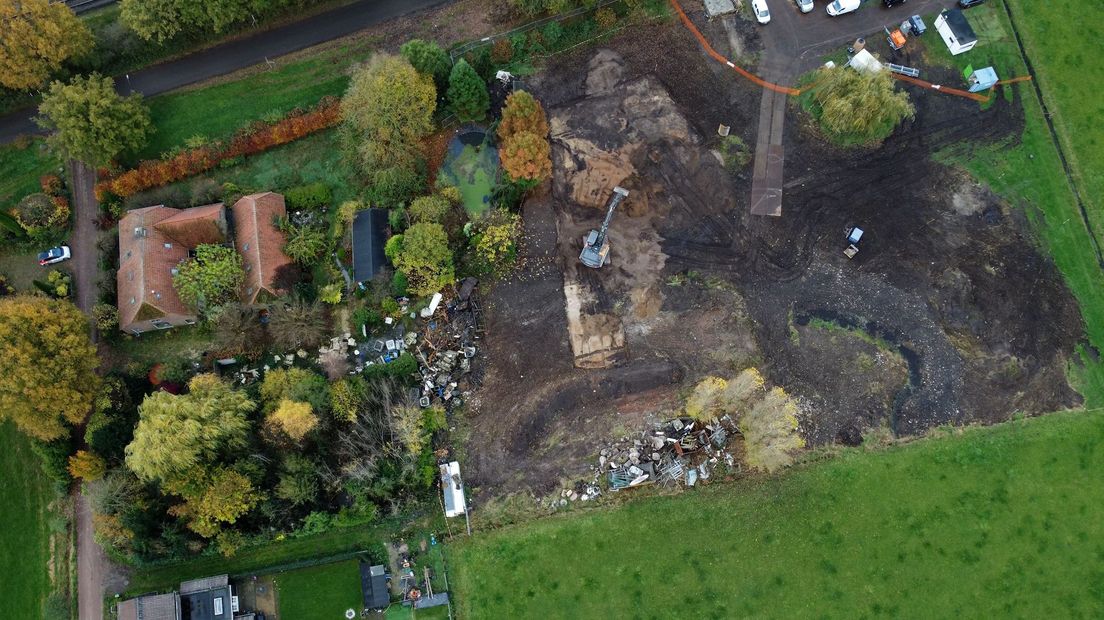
[{"x": 471, "y": 164}]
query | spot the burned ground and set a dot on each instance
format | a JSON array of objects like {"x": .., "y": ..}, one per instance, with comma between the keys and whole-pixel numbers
[{"x": 949, "y": 314}]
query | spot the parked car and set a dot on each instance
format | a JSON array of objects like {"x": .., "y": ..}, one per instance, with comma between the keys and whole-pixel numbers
[
  {"x": 805, "y": 5},
  {"x": 762, "y": 13},
  {"x": 965, "y": 4},
  {"x": 839, "y": 7},
  {"x": 892, "y": 3},
  {"x": 54, "y": 255}
]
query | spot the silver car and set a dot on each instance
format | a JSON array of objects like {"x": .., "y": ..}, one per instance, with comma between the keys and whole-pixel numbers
[{"x": 805, "y": 5}]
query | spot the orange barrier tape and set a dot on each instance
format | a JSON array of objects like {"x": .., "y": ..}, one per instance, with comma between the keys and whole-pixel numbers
[{"x": 940, "y": 88}]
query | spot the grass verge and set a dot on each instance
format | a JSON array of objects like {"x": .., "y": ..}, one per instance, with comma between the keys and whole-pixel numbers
[
  {"x": 25, "y": 546},
  {"x": 986, "y": 522}
]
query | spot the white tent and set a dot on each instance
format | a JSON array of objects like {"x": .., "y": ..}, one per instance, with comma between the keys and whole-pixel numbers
[{"x": 865, "y": 62}]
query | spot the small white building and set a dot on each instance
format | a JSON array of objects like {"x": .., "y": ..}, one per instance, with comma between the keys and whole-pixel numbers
[
  {"x": 452, "y": 487},
  {"x": 956, "y": 31}
]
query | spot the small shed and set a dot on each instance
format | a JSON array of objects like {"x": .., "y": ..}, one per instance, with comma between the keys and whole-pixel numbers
[
  {"x": 865, "y": 62},
  {"x": 982, "y": 79},
  {"x": 373, "y": 584},
  {"x": 956, "y": 31},
  {"x": 453, "y": 490},
  {"x": 369, "y": 237}
]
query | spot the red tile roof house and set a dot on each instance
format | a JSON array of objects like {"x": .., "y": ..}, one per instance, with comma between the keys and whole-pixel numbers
[{"x": 154, "y": 240}]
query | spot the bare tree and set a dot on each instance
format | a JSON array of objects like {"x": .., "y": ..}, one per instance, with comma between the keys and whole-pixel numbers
[{"x": 298, "y": 325}]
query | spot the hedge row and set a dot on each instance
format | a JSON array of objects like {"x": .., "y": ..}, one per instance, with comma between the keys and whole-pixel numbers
[{"x": 252, "y": 139}]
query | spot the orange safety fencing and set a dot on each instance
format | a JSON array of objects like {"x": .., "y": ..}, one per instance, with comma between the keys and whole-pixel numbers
[{"x": 788, "y": 90}]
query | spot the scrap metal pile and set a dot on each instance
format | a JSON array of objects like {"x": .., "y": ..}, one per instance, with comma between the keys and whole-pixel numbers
[
  {"x": 676, "y": 452},
  {"x": 445, "y": 350}
]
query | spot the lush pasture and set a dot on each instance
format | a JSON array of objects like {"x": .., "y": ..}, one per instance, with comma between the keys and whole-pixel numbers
[
  {"x": 1006, "y": 521},
  {"x": 25, "y": 495}
]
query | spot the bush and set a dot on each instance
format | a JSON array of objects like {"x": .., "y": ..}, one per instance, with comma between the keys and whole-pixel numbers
[
  {"x": 399, "y": 284},
  {"x": 312, "y": 197},
  {"x": 393, "y": 247},
  {"x": 330, "y": 294},
  {"x": 305, "y": 244},
  {"x": 403, "y": 367},
  {"x": 429, "y": 209},
  {"x": 106, "y": 317},
  {"x": 552, "y": 33},
  {"x": 54, "y": 456},
  {"x": 396, "y": 219},
  {"x": 735, "y": 153},
  {"x": 605, "y": 18},
  {"x": 502, "y": 51},
  {"x": 858, "y": 108},
  {"x": 395, "y": 185}
]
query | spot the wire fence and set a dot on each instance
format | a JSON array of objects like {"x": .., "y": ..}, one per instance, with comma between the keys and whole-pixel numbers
[{"x": 539, "y": 23}]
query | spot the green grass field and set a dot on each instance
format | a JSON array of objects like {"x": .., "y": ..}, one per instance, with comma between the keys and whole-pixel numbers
[
  {"x": 1028, "y": 172},
  {"x": 320, "y": 592},
  {"x": 217, "y": 111},
  {"x": 1006, "y": 521},
  {"x": 25, "y": 495},
  {"x": 21, "y": 169}
]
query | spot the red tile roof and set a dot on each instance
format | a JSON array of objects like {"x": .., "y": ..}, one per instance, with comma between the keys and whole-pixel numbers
[
  {"x": 259, "y": 242},
  {"x": 196, "y": 226},
  {"x": 146, "y": 260}
]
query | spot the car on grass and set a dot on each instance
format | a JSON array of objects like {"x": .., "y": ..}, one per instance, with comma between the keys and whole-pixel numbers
[
  {"x": 840, "y": 7},
  {"x": 762, "y": 13},
  {"x": 965, "y": 4},
  {"x": 54, "y": 255},
  {"x": 806, "y": 6}
]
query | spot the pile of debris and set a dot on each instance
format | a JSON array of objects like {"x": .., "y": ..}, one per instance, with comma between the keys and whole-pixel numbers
[
  {"x": 673, "y": 453},
  {"x": 446, "y": 351}
]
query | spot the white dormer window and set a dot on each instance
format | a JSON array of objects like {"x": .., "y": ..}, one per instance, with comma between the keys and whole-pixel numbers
[
  {"x": 245, "y": 247},
  {"x": 168, "y": 246},
  {"x": 132, "y": 300}
]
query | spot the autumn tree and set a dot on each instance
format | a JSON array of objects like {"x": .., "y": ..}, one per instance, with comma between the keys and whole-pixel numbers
[
  {"x": 496, "y": 241},
  {"x": 522, "y": 113},
  {"x": 347, "y": 397},
  {"x": 413, "y": 426},
  {"x": 297, "y": 325},
  {"x": 294, "y": 419},
  {"x": 526, "y": 157},
  {"x": 212, "y": 278},
  {"x": 90, "y": 121},
  {"x": 387, "y": 110},
  {"x": 425, "y": 258},
  {"x": 177, "y": 435},
  {"x": 87, "y": 466},
  {"x": 429, "y": 209},
  {"x": 296, "y": 384},
  {"x": 467, "y": 93},
  {"x": 770, "y": 431},
  {"x": 162, "y": 20},
  {"x": 707, "y": 401},
  {"x": 428, "y": 59},
  {"x": 859, "y": 106},
  {"x": 212, "y": 500},
  {"x": 47, "y": 365},
  {"x": 36, "y": 36}
]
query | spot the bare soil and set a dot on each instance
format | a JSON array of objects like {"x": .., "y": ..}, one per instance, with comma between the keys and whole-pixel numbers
[{"x": 949, "y": 314}]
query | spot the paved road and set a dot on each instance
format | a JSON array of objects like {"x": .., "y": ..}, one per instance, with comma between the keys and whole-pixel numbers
[
  {"x": 793, "y": 44},
  {"x": 92, "y": 565},
  {"x": 242, "y": 53}
]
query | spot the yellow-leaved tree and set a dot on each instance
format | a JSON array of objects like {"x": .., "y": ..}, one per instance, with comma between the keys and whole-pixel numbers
[
  {"x": 218, "y": 499},
  {"x": 47, "y": 365},
  {"x": 294, "y": 419},
  {"x": 770, "y": 431},
  {"x": 87, "y": 466},
  {"x": 36, "y": 36}
]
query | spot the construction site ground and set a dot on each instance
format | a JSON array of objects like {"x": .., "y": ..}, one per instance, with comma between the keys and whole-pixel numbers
[{"x": 950, "y": 313}]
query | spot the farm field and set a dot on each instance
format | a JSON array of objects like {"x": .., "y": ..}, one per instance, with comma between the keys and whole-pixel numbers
[
  {"x": 319, "y": 592},
  {"x": 984, "y": 522},
  {"x": 25, "y": 495}
]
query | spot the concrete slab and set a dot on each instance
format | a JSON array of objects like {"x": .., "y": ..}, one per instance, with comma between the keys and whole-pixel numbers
[{"x": 716, "y": 8}]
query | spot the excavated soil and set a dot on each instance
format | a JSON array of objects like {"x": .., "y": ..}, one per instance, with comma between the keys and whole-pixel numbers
[{"x": 949, "y": 314}]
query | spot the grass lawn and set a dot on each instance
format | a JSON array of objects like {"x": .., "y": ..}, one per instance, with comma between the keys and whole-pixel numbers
[
  {"x": 1028, "y": 172},
  {"x": 25, "y": 495},
  {"x": 320, "y": 592},
  {"x": 22, "y": 270},
  {"x": 399, "y": 612},
  {"x": 988, "y": 522},
  {"x": 20, "y": 170},
  {"x": 217, "y": 111}
]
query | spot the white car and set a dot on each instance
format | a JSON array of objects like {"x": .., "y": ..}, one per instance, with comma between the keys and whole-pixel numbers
[
  {"x": 54, "y": 256},
  {"x": 806, "y": 6},
  {"x": 839, "y": 7},
  {"x": 762, "y": 13}
]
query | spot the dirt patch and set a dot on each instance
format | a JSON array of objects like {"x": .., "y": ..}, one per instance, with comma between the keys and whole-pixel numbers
[{"x": 949, "y": 314}]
